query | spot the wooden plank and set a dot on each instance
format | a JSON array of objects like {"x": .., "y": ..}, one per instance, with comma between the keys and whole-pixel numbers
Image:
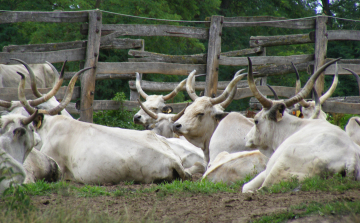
[
  {"x": 331, "y": 69},
  {"x": 55, "y": 16},
  {"x": 320, "y": 50},
  {"x": 169, "y": 86},
  {"x": 281, "y": 91},
  {"x": 242, "y": 52},
  {"x": 148, "y": 67},
  {"x": 103, "y": 105},
  {"x": 262, "y": 60},
  {"x": 151, "y": 30},
  {"x": 44, "y": 47},
  {"x": 40, "y": 57},
  {"x": 190, "y": 59},
  {"x": 125, "y": 43},
  {"x": 335, "y": 35},
  {"x": 341, "y": 107},
  {"x": 213, "y": 56},
  {"x": 256, "y": 41},
  {"x": 69, "y": 75},
  {"x": 158, "y": 57},
  {"x": 274, "y": 70},
  {"x": 88, "y": 77},
  {"x": 269, "y": 21},
  {"x": 11, "y": 94}
]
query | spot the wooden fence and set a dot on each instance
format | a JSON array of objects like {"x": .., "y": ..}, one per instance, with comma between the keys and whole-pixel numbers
[{"x": 105, "y": 36}]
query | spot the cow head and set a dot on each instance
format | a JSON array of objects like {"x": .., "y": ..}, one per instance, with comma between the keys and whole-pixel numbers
[
  {"x": 201, "y": 118},
  {"x": 18, "y": 135},
  {"x": 163, "y": 122},
  {"x": 43, "y": 102},
  {"x": 156, "y": 103},
  {"x": 272, "y": 124},
  {"x": 306, "y": 109}
]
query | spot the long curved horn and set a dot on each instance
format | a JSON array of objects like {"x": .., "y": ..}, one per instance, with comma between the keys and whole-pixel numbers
[
  {"x": 5, "y": 104},
  {"x": 138, "y": 86},
  {"x": 356, "y": 76},
  {"x": 333, "y": 86},
  {"x": 68, "y": 94},
  {"x": 317, "y": 105},
  {"x": 303, "y": 103},
  {"x": 178, "y": 115},
  {"x": 190, "y": 90},
  {"x": 55, "y": 71},
  {"x": 227, "y": 91},
  {"x": 32, "y": 77},
  {"x": 22, "y": 98},
  {"x": 273, "y": 91},
  {"x": 266, "y": 103},
  {"x": 307, "y": 88},
  {"x": 150, "y": 113},
  {"x": 29, "y": 119},
  {"x": 175, "y": 91},
  {"x": 357, "y": 121},
  {"x": 51, "y": 93},
  {"x": 232, "y": 94}
]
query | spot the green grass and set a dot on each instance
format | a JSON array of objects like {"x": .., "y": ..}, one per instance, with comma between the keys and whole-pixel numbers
[{"x": 16, "y": 206}]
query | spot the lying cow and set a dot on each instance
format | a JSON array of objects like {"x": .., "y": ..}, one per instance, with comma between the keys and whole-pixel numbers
[
  {"x": 232, "y": 167},
  {"x": 17, "y": 138},
  {"x": 201, "y": 118},
  {"x": 90, "y": 153},
  {"x": 156, "y": 103},
  {"x": 303, "y": 147}
]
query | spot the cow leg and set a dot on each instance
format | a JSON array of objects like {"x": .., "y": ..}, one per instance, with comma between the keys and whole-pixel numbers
[
  {"x": 196, "y": 168},
  {"x": 255, "y": 183}
]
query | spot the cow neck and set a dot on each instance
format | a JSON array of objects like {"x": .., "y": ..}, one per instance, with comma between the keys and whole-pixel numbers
[{"x": 285, "y": 128}]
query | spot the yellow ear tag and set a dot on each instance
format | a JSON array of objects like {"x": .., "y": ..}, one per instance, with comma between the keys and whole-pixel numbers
[
  {"x": 298, "y": 113},
  {"x": 38, "y": 124}
]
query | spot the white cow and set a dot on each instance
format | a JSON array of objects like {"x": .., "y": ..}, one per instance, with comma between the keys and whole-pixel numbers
[
  {"x": 353, "y": 129},
  {"x": 90, "y": 153},
  {"x": 43, "y": 75},
  {"x": 17, "y": 138},
  {"x": 156, "y": 103},
  {"x": 304, "y": 147},
  {"x": 201, "y": 118},
  {"x": 232, "y": 167}
]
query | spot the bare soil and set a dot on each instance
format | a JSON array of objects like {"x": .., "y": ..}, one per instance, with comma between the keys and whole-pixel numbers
[{"x": 190, "y": 207}]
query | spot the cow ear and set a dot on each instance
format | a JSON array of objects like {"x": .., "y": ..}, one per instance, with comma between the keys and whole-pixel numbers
[
  {"x": 277, "y": 112},
  {"x": 38, "y": 121},
  {"x": 220, "y": 116},
  {"x": 167, "y": 109}
]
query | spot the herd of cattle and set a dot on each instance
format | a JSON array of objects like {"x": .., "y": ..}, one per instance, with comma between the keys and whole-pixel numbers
[{"x": 40, "y": 140}]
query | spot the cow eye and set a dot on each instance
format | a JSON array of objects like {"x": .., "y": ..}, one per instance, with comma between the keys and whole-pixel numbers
[
  {"x": 200, "y": 114},
  {"x": 256, "y": 122}
]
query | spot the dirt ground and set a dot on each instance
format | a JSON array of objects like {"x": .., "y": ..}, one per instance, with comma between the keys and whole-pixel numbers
[{"x": 188, "y": 207}]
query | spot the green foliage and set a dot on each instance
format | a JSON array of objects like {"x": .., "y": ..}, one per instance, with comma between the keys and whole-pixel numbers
[
  {"x": 340, "y": 120},
  {"x": 116, "y": 118},
  {"x": 16, "y": 199}
]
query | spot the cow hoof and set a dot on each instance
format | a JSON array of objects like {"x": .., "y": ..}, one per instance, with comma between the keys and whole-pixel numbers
[{"x": 188, "y": 175}]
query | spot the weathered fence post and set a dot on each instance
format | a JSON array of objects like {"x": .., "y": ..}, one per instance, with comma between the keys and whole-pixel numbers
[
  {"x": 91, "y": 59},
  {"x": 134, "y": 95},
  {"x": 213, "y": 55},
  {"x": 321, "y": 41}
]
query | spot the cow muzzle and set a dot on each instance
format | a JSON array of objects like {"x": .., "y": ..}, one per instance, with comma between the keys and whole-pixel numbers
[
  {"x": 176, "y": 127},
  {"x": 137, "y": 119}
]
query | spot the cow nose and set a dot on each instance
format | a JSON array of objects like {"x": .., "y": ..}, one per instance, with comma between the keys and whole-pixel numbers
[
  {"x": 137, "y": 117},
  {"x": 176, "y": 126}
]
